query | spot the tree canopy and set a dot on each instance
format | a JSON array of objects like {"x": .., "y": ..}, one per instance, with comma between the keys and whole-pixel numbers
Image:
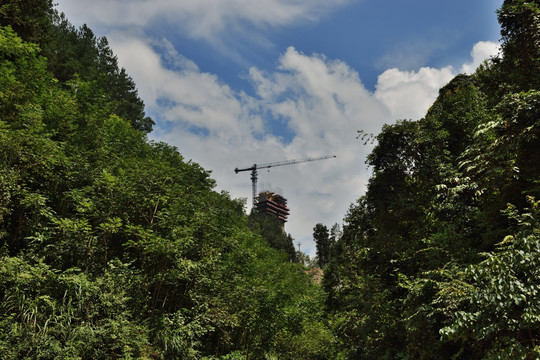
[
  {"x": 435, "y": 258},
  {"x": 114, "y": 246}
]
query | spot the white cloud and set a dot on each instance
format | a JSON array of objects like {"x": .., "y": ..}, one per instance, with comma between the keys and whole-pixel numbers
[
  {"x": 199, "y": 18},
  {"x": 409, "y": 94},
  {"x": 322, "y": 101},
  {"x": 481, "y": 51},
  {"x": 193, "y": 98}
]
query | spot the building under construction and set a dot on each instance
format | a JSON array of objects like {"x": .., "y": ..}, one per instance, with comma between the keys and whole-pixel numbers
[{"x": 272, "y": 204}]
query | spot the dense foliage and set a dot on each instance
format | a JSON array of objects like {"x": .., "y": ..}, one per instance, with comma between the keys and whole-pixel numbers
[
  {"x": 112, "y": 246},
  {"x": 272, "y": 231},
  {"x": 439, "y": 259}
]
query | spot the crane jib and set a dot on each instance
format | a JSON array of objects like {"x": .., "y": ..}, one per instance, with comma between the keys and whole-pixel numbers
[{"x": 255, "y": 167}]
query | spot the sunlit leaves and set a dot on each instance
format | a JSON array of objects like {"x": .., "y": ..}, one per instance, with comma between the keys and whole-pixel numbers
[
  {"x": 46, "y": 313},
  {"x": 503, "y": 302},
  {"x": 113, "y": 246},
  {"x": 430, "y": 258}
]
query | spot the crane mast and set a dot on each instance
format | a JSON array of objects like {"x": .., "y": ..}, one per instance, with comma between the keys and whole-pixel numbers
[{"x": 255, "y": 167}]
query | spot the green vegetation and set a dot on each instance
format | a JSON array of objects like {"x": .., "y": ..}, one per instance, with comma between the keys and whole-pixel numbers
[
  {"x": 272, "y": 231},
  {"x": 113, "y": 246},
  {"x": 439, "y": 259}
]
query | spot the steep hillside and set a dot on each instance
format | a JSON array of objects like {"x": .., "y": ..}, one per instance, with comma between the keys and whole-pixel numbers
[
  {"x": 112, "y": 246},
  {"x": 438, "y": 259}
]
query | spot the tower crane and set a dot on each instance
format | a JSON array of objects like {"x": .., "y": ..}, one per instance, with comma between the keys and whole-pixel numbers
[{"x": 256, "y": 167}]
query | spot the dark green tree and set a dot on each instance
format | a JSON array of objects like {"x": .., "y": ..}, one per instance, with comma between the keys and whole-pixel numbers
[
  {"x": 113, "y": 246},
  {"x": 272, "y": 231},
  {"x": 410, "y": 265},
  {"x": 30, "y": 19},
  {"x": 323, "y": 244},
  {"x": 497, "y": 316},
  {"x": 521, "y": 44}
]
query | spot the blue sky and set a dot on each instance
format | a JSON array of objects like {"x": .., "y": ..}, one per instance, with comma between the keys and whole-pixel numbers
[{"x": 237, "y": 82}]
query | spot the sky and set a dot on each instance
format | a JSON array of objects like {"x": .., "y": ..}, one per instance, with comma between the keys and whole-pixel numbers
[{"x": 232, "y": 83}]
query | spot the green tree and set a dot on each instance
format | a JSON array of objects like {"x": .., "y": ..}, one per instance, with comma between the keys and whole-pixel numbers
[
  {"x": 521, "y": 44},
  {"x": 498, "y": 313},
  {"x": 113, "y": 246},
  {"x": 78, "y": 52},
  {"x": 323, "y": 244},
  {"x": 410, "y": 266},
  {"x": 272, "y": 231},
  {"x": 31, "y": 19}
]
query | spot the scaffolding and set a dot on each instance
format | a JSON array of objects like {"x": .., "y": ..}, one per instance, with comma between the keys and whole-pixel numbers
[{"x": 273, "y": 204}]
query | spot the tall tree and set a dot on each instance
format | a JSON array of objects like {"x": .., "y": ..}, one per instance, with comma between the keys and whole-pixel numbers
[
  {"x": 31, "y": 19},
  {"x": 112, "y": 246},
  {"x": 425, "y": 262},
  {"x": 322, "y": 241}
]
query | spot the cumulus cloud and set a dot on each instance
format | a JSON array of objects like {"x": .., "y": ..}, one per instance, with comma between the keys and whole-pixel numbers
[
  {"x": 322, "y": 100},
  {"x": 409, "y": 94},
  {"x": 481, "y": 51},
  {"x": 184, "y": 96},
  {"x": 322, "y": 103}
]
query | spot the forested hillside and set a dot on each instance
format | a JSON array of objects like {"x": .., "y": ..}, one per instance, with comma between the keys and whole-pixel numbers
[
  {"x": 113, "y": 246},
  {"x": 440, "y": 258}
]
